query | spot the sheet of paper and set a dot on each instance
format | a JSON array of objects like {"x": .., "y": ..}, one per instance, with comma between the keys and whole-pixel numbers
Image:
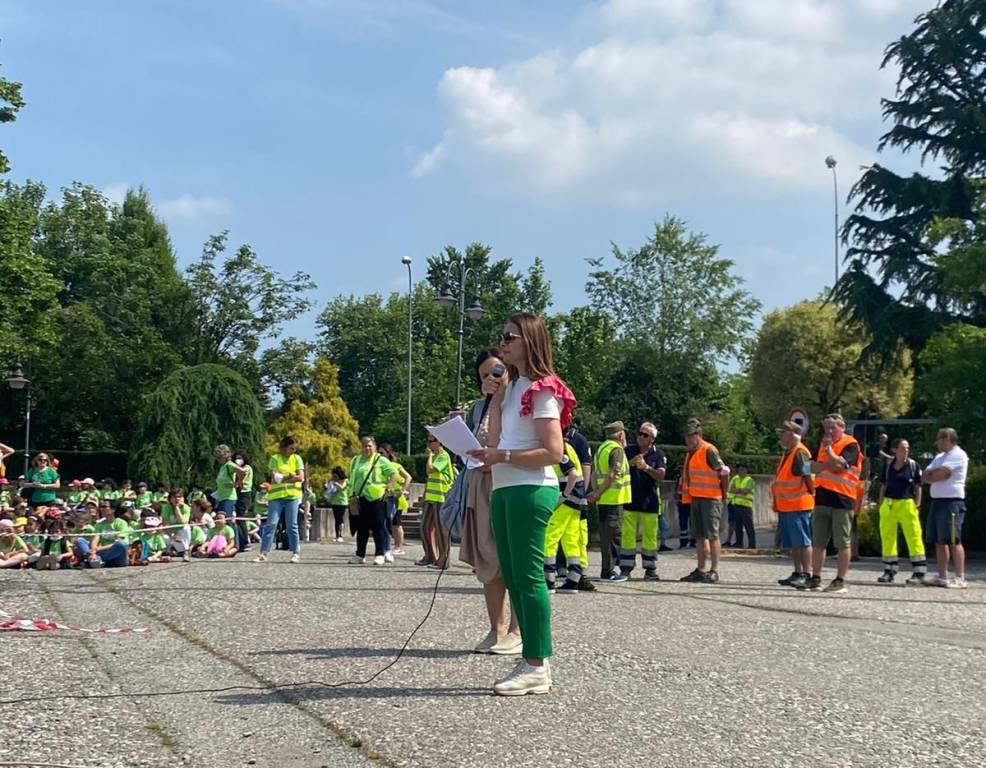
[{"x": 458, "y": 438}]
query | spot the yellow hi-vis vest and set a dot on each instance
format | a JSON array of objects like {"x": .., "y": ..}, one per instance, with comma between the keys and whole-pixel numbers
[
  {"x": 619, "y": 491},
  {"x": 740, "y": 484},
  {"x": 440, "y": 481}
]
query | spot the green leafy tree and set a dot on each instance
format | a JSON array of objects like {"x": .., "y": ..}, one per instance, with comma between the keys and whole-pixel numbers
[
  {"x": 535, "y": 290},
  {"x": 897, "y": 282},
  {"x": 239, "y": 307},
  {"x": 952, "y": 382},
  {"x": 317, "y": 416},
  {"x": 186, "y": 416},
  {"x": 585, "y": 357},
  {"x": 675, "y": 295},
  {"x": 11, "y": 102},
  {"x": 812, "y": 355}
]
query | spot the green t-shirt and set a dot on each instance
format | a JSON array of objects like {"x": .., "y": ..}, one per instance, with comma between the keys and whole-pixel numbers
[
  {"x": 144, "y": 499},
  {"x": 155, "y": 542},
  {"x": 374, "y": 487},
  {"x": 181, "y": 516},
  {"x": 225, "y": 531},
  {"x": 198, "y": 535},
  {"x": 77, "y": 497},
  {"x": 225, "y": 482},
  {"x": 13, "y": 544},
  {"x": 340, "y": 496},
  {"x": 46, "y": 476},
  {"x": 159, "y": 496},
  {"x": 118, "y": 530},
  {"x": 247, "y": 479},
  {"x": 260, "y": 503},
  {"x": 195, "y": 496},
  {"x": 112, "y": 495}
]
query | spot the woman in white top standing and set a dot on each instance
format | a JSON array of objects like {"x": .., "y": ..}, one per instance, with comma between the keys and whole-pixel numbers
[{"x": 526, "y": 419}]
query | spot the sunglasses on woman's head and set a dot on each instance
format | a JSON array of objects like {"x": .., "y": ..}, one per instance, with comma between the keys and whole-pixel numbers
[{"x": 509, "y": 336}]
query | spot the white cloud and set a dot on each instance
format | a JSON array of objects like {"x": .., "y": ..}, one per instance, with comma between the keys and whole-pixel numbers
[
  {"x": 673, "y": 96},
  {"x": 116, "y": 193},
  {"x": 189, "y": 207}
]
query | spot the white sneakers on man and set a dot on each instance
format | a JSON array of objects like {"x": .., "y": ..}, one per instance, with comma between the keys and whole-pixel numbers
[
  {"x": 261, "y": 558},
  {"x": 525, "y": 679},
  {"x": 388, "y": 557},
  {"x": 295, "y": 558},
  {"x": 378, "y": 560}
]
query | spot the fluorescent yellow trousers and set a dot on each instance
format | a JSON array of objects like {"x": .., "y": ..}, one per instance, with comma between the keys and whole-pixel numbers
[
  {"x": 565, "y": 528},
  {"x": 903, "y": 513},
  {"x": 648, "y": 522}
]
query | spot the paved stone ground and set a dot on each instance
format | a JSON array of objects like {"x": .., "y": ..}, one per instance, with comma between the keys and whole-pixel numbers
[{"x": 667, "y": 674}]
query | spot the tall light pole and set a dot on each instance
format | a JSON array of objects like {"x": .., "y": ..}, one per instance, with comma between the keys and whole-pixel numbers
[
  {"x": 17, "y": 381},
  {"x": 474, "y": 312},
  {"x": 406, "y": 261},
  {"x": 830, "y": 162}
]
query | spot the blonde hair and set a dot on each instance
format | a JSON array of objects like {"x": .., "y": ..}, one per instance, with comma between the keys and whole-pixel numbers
[{"x": 537, "y": 345}]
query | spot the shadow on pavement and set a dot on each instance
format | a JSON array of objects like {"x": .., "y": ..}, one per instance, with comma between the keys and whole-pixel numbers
[
  {"x": 317, "y": 693},
  {"x": 365, "y": 653}
]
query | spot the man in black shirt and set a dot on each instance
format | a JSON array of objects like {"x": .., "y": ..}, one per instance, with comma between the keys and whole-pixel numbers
[
  {"x": 647, "y": 468},
  {"x": 900, "y": 499}
]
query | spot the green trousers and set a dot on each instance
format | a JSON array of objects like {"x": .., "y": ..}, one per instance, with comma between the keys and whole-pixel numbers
[{"x": 520, "y": 515}]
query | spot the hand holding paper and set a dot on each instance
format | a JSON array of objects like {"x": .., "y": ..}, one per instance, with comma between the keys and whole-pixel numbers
[{"x": 458, "y": 438}]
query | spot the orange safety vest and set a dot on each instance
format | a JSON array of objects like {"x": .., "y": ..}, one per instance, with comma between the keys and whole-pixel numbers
[
  {"x": 792, "y": 493},
  {"x": 701, "y": 480},
  {"x": 844, "y": 483}
]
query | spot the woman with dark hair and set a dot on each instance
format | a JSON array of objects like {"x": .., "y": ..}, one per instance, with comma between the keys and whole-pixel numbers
[
  {"x": 527, "y": 416},
  {"x": 396, "y": 502},
  {"x": 287, "y": 473},
  {"x": 41, "y": 482},
  {"x": 478, "y": 547},
  {"x": 229, "y": 476},
  {"x": 337, "y": 495},
  {"x": 244, "y": 500}
]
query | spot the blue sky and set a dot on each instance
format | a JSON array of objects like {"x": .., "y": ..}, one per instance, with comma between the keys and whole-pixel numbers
[{"x": 336, "y": 136}]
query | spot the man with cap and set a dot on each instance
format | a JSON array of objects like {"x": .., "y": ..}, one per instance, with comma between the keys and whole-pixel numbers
[
  {"x": 793, "y": 498},
  {"x": 706, "y": 481},
  {"x": 647, "y": 469},
  {"x": 611, "y": 480},
  {"x": 837, "y": 467}
]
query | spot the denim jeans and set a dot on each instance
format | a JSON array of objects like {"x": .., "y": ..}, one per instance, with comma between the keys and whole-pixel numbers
[
  {"x": 388, "y": 540},
  {"x": 114, "y": 557},
  {"x": 276, "y": 508}
]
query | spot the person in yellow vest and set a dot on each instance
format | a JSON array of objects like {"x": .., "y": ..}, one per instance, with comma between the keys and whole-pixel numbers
[
  {"x": 792, "y": 494},
  {"x": 371, "y": 478},
  {"x": 648, "y": 466},
  {"x": 706, "y": 481},
  {"x": 441, "y": 475},
  {"x": 564, "y": 525},
  {"x": 287, "y": 474},
  {"x": 611, "y": 481},
  {"x": 739, "y": 499},
  {"x": 837, "y": 467}
]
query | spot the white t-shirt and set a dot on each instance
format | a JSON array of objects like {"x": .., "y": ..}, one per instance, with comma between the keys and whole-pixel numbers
[
  {"x": 956, "y": 460},
  {"x": 518, "y": 433}
]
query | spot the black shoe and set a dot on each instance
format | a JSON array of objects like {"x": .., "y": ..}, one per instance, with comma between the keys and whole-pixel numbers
[
  {"x": 424, "y": 561},
  {"x": 712, "y": 577},
  {"x": 695, "y": 575},
  {"x": 887, "y": 577},
  {"x": 651, "y": 575},
  {"x": 683, "y": 544},
  {"x": 800, "y": 581},
  {"x": 664, "y": 548},
  {"x": 568, "y": 588},
  {"x": 617, "y": 577},
  {"x": 813, "y": 584},
  {"x": 586, "y": 586},
  {"x": 789, "y": 581}
]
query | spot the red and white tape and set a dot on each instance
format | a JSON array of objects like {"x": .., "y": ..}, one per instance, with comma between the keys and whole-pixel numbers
[{"x": 13, "y": 623}]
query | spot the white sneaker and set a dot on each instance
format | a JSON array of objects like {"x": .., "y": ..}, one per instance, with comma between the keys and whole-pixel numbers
[
  {"x": 378, "y": 560},
  {"x": 398, "y": 551},
  {"x": 261, "y": 558},
  {"x": 935, "y": 581},
  {"x": 295, "y": 558},
  {"x": 338, "y": 539},
  {"x": 487, "y": 642},
  {"x": 958, "y": 582},
  {"x": 508, "y": 645},
  {"x": 357, "y": 560},
  {"x": 388, "y": 558},
  {"x": 523, "y": 680}
]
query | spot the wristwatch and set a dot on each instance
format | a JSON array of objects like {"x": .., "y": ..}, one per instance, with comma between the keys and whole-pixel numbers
[{"x": 506, "y": 457}]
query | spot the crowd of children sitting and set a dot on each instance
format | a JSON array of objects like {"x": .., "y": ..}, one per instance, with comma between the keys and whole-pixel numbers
[{"x": 105, "y": 525}]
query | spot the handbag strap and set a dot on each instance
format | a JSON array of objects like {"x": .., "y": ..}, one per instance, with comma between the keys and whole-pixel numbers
[{"x": 366, "y": 479}]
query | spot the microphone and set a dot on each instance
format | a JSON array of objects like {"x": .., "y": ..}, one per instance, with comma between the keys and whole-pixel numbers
[{"x": 498, "y": 371}]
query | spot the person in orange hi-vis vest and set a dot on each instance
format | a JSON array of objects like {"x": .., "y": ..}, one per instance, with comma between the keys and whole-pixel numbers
[
  {"x": 837, "y": 466},
  {"x": 793, "y": 498},
  {"x": 706, "y": 481}
]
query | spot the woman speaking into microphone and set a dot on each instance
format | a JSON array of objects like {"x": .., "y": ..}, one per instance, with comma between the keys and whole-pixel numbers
[{"x": 526, "y": 419}]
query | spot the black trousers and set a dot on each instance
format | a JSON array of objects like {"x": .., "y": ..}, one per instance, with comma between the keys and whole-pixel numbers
[
  {"x": 372, "y": 519},
  {"x": 744, "y": 522},
  {"x": 244, "y": 503},
  {"x": 339, "y": 512}
]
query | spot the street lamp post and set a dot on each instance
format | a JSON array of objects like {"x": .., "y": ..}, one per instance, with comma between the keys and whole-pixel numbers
[
  {"x": 474, "y": 312},
  {"x": 406, "y": 261},
  {"x": 830, "y": 162},
  {"x": 17, "y": 381}
]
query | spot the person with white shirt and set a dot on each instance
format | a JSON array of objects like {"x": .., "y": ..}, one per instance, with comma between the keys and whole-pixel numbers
[
  {"x": 524, "y": 441},
  {"x": 946, "y": 475}
]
